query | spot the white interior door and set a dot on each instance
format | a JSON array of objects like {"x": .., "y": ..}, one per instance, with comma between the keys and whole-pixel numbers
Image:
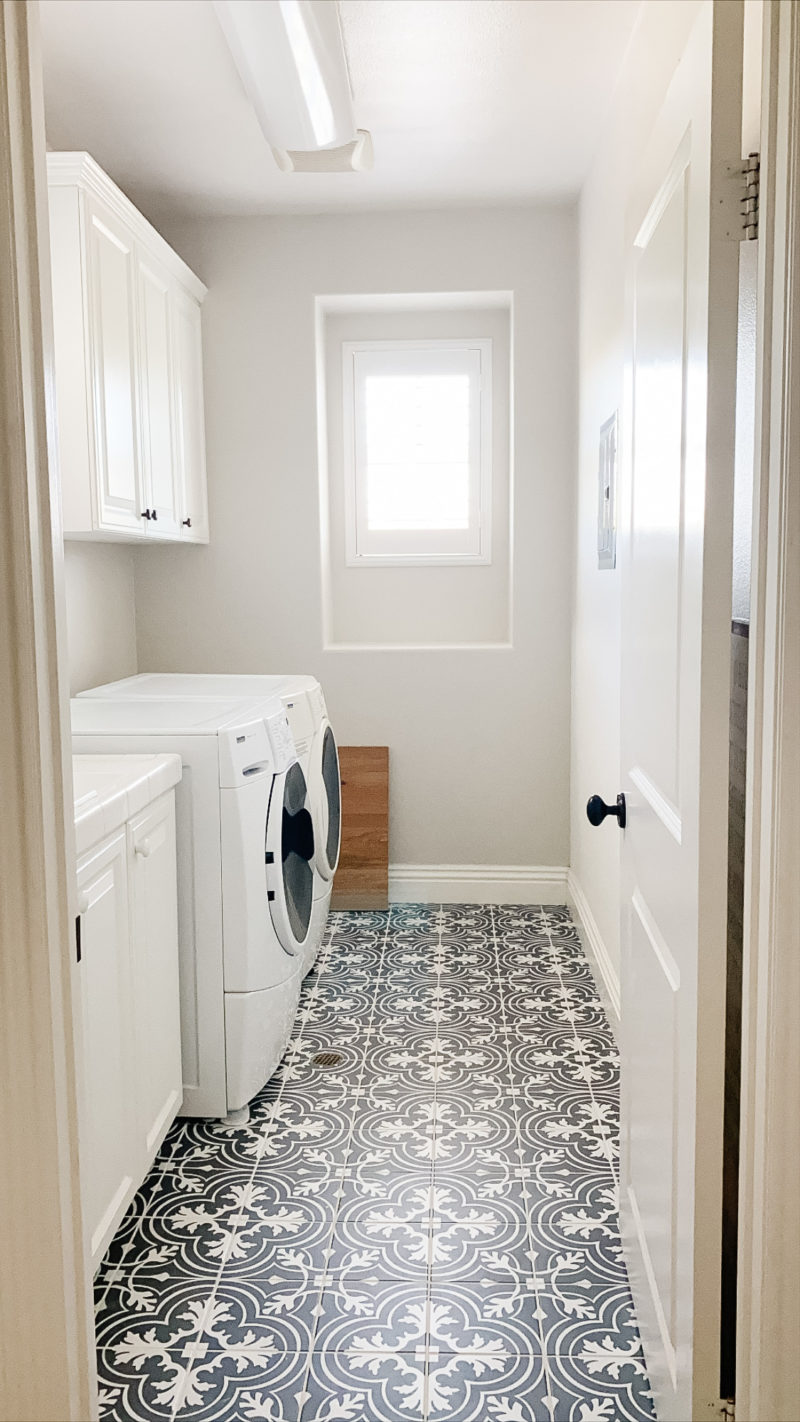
[{"x": 676, "y": 589}]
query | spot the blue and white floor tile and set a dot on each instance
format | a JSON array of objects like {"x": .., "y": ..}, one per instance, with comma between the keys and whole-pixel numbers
[{"x": 426, "y": 1229}]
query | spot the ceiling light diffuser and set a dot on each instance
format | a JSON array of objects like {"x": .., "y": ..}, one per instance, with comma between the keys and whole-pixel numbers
[{"x": 290, "y": 56}]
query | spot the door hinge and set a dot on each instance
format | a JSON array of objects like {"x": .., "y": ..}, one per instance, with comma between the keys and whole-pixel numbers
[
  {"x": 751, "y": 175},
  {"x": 78, "y": 943},
  {"x": 735, "y": 207}
]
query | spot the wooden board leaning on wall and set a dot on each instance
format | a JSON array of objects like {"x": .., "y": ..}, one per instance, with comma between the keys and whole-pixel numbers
[{"x": 362, "y": 878}]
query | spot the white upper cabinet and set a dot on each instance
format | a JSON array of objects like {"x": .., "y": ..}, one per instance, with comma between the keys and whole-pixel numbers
[
  {"x": 160, "y": 463},
  {"x": 188, "y": 356},
  {"x": 112, "y": 313},
  {"x": 128, "y": 366}
]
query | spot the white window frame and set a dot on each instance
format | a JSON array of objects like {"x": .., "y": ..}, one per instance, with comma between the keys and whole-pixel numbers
[{"x": 414, "y": 547}]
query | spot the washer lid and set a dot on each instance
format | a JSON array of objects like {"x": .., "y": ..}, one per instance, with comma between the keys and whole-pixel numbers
[
  {"x": 143, "y": 717},
  {"x": 289, "y": 856},
  {"x": 191, "y": 684}
]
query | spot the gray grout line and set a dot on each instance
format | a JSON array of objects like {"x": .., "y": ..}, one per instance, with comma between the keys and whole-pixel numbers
[
  {"x": 532, "y": 1251},
  {"x": 322, "y": 1287},
  {"x": 218, "y": 1278},
  {"x": 429, "y": 1271},
  {"x": 566, "y": 1000},
  {"x": 612, "y": 1163}
]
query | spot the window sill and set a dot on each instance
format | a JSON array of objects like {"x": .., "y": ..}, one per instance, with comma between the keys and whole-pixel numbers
[{"x": 399, "y": 560}]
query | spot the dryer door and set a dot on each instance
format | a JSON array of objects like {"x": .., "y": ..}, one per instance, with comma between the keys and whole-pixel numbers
[
  {"x": 327, "y": 800},
  {"x": 289, "y": 856}
]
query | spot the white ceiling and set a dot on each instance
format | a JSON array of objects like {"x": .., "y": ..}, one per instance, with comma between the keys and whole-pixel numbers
[{"x": 468, "y": 102}]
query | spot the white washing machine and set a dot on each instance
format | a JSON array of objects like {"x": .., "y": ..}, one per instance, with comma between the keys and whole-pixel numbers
[
  {"x": 314, "y": 740},
  {"x": 245, "y": 877}
]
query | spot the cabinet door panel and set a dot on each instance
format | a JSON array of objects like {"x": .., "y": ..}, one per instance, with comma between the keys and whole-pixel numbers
[
  {"x": 157, "y": 994},
  {"x": 114, "y": 362},
  {"x": 191, "y": 417},
  {"x": 111, "y": 1153},
  {"x": 159, "y": 445}
]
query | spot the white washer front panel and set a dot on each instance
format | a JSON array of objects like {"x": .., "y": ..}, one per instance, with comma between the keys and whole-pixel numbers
[
  {"x": 257, "y": 1029},
  {"x": 316, "y": 933},
  {"x": 254, "y": 956}
]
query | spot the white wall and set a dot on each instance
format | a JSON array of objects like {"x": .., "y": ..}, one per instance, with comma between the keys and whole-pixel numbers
[
  {"x": 479, "y": 740},
  {"x": 101, "y": 626},
  {"x": 658, "y": 41}
]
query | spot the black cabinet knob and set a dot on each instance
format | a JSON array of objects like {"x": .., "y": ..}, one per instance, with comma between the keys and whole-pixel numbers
[
  {"x": 187, "y": 523},
  {"x": 597, "y": 809},
  {"x": 145, "y": 514},
  {"x": 154, "y": 514}
]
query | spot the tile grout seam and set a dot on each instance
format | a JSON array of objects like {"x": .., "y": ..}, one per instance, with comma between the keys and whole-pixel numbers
[
  {"x": 532, "y": 1250},
  {"x": 226, "y": 1259}
]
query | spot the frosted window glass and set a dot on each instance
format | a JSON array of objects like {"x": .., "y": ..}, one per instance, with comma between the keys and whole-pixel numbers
[{"x": 417, "y": 451}]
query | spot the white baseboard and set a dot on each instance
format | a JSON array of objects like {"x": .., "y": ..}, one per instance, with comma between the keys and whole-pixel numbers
[
  {"x": 606, "y": 972},
  {"x": 477, "y": 884}
]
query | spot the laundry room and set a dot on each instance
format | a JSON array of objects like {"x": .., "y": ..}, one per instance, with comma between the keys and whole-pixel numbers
[{"x": 379, "y": 641}]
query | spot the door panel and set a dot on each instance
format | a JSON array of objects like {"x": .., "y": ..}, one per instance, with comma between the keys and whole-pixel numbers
[
  {"x": 652, "y": 1107},
  {"x": 656, "y": 532},
  {"x": 190, "y": 417},
  {"x": 113, "y": 344},
  {"x": 154, "y": 878},
  {"x": 111, "y": 1153},
  {"x": 675, "y": 559},
  {"x": 159, "y": 445}
]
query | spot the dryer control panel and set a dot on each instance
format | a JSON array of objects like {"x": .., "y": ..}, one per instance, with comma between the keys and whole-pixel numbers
[
  {"x": 318, "y": 708},
  {"x": 280, "y": 734},
  {"x": 244, "y": 752},
  {"x": 301, "y": 720}
]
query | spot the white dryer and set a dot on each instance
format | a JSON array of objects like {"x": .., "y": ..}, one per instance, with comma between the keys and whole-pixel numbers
[
  {"x": 245, "y": 877},
  {"x": 314, "y": 740}
]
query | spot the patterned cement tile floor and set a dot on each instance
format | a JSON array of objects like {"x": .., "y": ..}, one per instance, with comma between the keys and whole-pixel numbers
[{"x": 427, "y": 1230}]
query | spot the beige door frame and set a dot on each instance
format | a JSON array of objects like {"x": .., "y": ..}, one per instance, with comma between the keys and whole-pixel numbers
[
  {"x": 46, "y": 1332},
  {"x": 768, "y": 1381}
]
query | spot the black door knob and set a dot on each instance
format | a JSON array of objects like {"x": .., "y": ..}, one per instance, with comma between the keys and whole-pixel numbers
[{"x": 597, "y": 809}]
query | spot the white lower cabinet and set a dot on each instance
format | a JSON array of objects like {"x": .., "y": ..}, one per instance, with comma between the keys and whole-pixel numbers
[
  {"x": 127, "y": 898},
  {"x": 111, "y": 1160},
  {"x": 153, "y": 879}
]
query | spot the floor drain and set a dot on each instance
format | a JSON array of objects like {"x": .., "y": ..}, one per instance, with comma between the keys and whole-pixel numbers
[{"x": 327, "y": 1059}]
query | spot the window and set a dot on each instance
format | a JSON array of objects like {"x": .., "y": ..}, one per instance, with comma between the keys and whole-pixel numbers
[{"x": 417, "y": 430}]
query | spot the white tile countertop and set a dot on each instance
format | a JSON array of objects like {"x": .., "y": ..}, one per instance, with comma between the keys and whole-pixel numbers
[{"x": 110, "y": 789}]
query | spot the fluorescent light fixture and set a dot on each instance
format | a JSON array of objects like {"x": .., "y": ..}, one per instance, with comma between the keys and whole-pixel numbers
[{"x": 290, "y": 55}]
